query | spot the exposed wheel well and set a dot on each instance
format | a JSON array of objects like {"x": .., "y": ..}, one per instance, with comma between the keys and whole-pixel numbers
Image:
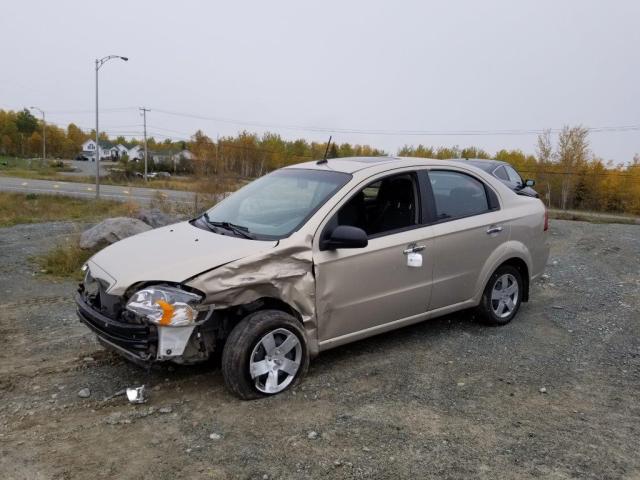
[
  {"x": 521, "y": 266},
  {"x": 228, "y": 318}
]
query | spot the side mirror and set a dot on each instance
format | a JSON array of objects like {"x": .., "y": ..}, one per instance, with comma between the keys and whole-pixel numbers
[
  {"x": 529, "y": 183},
  {"x": 345, "y": 236}
]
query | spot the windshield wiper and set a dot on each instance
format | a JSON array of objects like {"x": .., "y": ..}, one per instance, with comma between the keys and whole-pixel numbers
[{"x": 237, "y": 229}]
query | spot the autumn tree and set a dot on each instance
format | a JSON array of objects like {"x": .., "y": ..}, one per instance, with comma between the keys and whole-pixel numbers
[
  {"x": 26, "y": 122},
  {"x": 546, "y": 157},
  {"x": 573, "y": 148}
]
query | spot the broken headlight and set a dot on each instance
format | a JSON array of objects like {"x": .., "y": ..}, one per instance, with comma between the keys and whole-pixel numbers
[{"x": 166, "y": 306}]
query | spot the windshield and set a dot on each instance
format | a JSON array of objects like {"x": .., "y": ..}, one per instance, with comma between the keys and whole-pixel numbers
[{"x": 276, "y": 205}]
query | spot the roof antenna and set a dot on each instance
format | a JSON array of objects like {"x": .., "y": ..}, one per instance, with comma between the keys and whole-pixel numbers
[{"x": 326, "y": 152}]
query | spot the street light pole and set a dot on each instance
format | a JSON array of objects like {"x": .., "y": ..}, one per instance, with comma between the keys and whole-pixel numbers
[
  {"x": 44, "y": 133},
  {"x": 99, "y": 63},
  {"x": 97, "y": 138}
]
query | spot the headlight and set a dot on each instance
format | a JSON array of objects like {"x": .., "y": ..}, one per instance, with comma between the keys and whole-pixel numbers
[{"x": 167, "y": 306}]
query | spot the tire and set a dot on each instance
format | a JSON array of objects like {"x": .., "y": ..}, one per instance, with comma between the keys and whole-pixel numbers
[
  {"x": 253, "y": 364},
  {"x": 498, "y": 308}
]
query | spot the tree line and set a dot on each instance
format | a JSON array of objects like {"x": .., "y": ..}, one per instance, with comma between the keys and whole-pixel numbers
[{"x": 568, "y": 175}]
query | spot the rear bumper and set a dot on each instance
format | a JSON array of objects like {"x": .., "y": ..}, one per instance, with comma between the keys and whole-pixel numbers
[{"x": 136, "y": 342}]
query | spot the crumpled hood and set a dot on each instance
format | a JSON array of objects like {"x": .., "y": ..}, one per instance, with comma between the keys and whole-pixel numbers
[{"x": 172, "y": 254}]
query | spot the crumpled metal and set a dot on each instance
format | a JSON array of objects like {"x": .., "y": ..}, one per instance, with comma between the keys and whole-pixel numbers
[{"x": 284, "y": 273}]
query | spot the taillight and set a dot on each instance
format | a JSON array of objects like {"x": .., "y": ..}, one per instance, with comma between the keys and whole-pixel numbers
[{"x": 546, "y": 219}]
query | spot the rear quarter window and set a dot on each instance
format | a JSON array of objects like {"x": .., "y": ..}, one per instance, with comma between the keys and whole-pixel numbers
[{"x": 501, "y": 173}]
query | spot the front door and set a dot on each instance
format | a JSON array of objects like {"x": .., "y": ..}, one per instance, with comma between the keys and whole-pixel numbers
[{"x": 365, "y": 288}]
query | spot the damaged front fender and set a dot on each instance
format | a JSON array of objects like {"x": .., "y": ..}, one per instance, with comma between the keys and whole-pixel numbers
[{"x": 284, "y": 273}]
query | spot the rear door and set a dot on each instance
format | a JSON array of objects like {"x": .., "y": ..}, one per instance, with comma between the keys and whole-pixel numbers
[{"x": 468, "y": 229}]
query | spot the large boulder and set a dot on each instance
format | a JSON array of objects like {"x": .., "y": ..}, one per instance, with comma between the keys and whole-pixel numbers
[
  {"x": 155, "y": 218},
  {"x": 110, "y": 231}
]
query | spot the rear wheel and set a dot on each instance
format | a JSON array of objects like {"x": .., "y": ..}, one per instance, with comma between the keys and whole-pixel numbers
[
  {"x": 265, "y": 354},
  {"x": 502, "y": 296}
]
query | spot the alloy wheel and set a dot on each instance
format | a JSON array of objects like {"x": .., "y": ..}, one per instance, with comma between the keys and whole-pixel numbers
[
  {"x": 275, "y": 361},
  {"x": 504, "y": 295}
]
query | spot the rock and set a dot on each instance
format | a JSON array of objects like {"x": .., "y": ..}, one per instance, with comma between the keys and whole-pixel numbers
[
  {"x": 543, "y": 390},
  {"x": 84, "y": 393},
  {"x": 165, "y": 410},
  {"x": 88, "y": 359},
  {"x": 555, "y": 262},
  {"x": 155, "y": 218},
  {"x": 312, "y": 435},
  {"x": 114, "y": 418},
  {"x": 215, "y": 436},
  {"x": 110, "y": 231}
]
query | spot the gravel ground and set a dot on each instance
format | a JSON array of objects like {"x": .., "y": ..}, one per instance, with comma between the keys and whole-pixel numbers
[{"x": 554, "y": 394}]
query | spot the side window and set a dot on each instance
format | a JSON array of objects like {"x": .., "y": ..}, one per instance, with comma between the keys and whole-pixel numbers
[
  {"x": 382, "y": 206},
  {"x": 501, "y": 173},
  {"x": 457, "y": 194},
  {"x": 513, "y": 175}
]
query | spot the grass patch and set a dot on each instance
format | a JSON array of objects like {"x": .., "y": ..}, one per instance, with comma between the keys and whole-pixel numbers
[
  {"x": 17, "y": 208},
  {"x": 64, "y": 260},
  {"x": 33, "y": 168}
]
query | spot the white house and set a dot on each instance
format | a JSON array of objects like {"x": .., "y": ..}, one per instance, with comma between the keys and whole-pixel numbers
[
  {"x": 183, "y": 154},
  {"x": 136, "y": 153},
  {"x": 107, "y": 150},
  {"x": 122, "y": 150},
  {"x": 173, "y": 157}
]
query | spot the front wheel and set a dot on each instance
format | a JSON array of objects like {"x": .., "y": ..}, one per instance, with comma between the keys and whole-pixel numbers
[
  {"x": 502, "y": 296},
  {"x": 265, "y": 354}
]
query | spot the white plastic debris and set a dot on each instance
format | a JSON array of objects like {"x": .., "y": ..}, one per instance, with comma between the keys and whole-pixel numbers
[{"x": 136, "y": 394}]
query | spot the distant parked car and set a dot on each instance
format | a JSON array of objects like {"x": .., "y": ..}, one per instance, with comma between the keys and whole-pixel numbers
[
  {"x": 158, "y": 175},
  {"x": 505, "y": 173},
  {"x": 81, "y": 158}
]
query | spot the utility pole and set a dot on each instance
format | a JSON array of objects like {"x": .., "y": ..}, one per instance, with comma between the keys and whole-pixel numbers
[
  {"x": 144, "y": 116},
  {"x": 44, "y": 133}
]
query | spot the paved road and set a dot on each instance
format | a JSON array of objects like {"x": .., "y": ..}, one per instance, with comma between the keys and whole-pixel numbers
[
  {"x": 107, "y": 192},
  {"x": 88, "y": 169}
]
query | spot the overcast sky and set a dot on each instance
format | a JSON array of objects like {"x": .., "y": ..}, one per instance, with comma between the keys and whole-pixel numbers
[{"x": 445, "y": 66}]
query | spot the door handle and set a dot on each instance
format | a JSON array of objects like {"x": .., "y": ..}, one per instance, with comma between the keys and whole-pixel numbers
[
  {"x": 494, "y": 229},
  {"x": 413, "y": 249}
]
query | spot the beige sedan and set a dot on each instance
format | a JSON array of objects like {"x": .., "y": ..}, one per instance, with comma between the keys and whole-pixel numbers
[{"x": 314, "y": 256}]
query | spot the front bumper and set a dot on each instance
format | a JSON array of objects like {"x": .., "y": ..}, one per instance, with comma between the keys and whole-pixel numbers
[{"x": 136, "y": 342}]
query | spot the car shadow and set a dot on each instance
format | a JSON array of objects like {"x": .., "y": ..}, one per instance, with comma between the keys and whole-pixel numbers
[{"x": 430, "y": 331}]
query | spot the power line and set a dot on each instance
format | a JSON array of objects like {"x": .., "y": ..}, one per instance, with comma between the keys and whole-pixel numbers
[
  {"x": 112, "y": 110},
  {"x": 536, "y": 131},
  {"x": 359, "y": 131}
]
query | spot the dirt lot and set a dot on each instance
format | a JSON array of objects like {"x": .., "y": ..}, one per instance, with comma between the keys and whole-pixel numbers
[{"x": 445, "y": 399}]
